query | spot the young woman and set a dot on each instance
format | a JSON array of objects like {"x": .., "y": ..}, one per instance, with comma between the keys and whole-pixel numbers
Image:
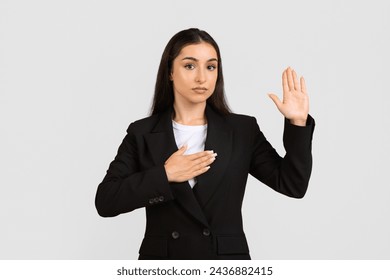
[{"x": 188, "y": 162}]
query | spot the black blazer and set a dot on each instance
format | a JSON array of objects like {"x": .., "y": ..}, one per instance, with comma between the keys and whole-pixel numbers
[{"x": 204, "y": 222}]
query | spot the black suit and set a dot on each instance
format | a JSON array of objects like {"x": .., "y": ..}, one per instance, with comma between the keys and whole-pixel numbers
[{"x": 204, "y": 222}]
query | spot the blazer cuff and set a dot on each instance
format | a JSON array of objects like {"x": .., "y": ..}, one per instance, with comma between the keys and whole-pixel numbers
[
  {"x": 159, "y": 190},
  {"x": 298, "y": 138}
]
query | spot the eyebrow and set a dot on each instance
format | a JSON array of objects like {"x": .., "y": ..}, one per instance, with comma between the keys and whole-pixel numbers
[{"x": 195, "y": 59}]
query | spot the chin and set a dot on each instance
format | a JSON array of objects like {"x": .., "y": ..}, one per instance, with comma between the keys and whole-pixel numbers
[
  {"x": 198, "y": 100},
  {"x": 193, "y": 99}
]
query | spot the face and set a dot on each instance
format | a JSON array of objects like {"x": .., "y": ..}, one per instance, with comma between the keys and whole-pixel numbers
[{"x": 194, "y": 74}]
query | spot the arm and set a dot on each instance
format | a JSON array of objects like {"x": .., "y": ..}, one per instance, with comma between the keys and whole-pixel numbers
[
  {"x": 289, "y": 175},
  {"x": 125, "y": 187}
]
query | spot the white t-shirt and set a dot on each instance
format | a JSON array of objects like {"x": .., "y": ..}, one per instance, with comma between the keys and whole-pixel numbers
[{"x": 192, "y": 135}]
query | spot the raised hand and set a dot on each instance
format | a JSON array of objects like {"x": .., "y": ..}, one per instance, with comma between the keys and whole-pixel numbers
[
  {"x": 295, "y": 104},
  {"x": 181, "y": 168}
]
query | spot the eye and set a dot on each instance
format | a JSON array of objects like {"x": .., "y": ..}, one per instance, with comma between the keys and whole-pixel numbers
[
  {"x": 212, "y": 67},
  {"x": 189, "y": 66}
]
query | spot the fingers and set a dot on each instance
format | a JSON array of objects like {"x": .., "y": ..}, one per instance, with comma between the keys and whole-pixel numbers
[
  {"x": 290, "y": 79},
  {"x": 303, "y": 85},
  {"x": 181, "y": 150},
  {"x": 202, "y": 165},
  {"x": 295, "y": 79},
  {"x": 204, "y": 161},
  {"x": 200, "y": 171},
  {"x": 199, "y": 155},
  {"x": 285, "y": 83}
]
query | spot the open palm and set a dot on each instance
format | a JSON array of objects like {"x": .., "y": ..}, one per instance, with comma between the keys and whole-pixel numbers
[{"x": 295, "y": 104}]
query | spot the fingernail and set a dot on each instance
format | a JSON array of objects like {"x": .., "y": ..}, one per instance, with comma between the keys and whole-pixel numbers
[{"x": 215, "y": 154}]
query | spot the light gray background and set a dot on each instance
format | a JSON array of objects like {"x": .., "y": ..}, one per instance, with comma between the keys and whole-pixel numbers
[{"x": 74, "y": 74}]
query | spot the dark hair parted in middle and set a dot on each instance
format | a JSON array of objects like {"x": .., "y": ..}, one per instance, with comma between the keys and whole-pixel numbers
[{"x": 163, "y": 93}]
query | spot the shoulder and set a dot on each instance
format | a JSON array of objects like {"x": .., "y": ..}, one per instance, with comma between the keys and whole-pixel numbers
[
  {"x": 231, "y": 119},
  {"x": 240, "y": 124},
  {"x": 239, "y": 119},
  {"x": 143, "y": 125}
]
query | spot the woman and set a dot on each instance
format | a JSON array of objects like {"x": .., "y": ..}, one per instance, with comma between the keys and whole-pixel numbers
[{"x": 193, "y": 195}]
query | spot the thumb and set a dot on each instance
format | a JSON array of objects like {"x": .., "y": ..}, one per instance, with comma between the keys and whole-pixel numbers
[
  {"x": 276, "y": 100},
  {"x": 182, "y": 149}
]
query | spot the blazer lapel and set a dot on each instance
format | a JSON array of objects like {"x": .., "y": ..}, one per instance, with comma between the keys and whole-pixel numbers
[
  {"x": 220, "y": 139},
  {"x": 161, "y": 144}
]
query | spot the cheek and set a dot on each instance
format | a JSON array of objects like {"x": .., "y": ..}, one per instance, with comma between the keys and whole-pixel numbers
[
  {"x": 182, "y": 77},
  {"x": 213, "y": 78}
]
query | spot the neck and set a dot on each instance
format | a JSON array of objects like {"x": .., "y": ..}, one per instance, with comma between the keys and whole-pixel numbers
[{"x": 190, "y": 115}]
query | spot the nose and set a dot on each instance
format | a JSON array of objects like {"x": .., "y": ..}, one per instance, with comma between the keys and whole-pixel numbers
[{"x": 200, "y": 76}]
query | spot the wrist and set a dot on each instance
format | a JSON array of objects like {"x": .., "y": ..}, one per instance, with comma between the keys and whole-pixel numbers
[
  {"x": 298, "y": 122},
  {"x": 167, "y": 173}
]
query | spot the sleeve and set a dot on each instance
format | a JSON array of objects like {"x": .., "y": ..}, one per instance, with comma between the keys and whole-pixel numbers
[
  {"x": 125, "y": 187},
  {"x": 289, "y": 175}
]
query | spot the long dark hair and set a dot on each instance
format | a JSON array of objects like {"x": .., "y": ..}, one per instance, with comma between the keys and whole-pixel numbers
[{"x": 163, "y": 93}]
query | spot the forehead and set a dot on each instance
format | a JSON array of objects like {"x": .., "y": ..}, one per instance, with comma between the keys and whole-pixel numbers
[{"x": 201, "y": 51}]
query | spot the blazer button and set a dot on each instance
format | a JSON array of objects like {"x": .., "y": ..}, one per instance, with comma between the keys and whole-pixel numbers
[
  {"x": 155, "y": 200},
  {"x": 175, "y": 235},
  {"x": 151, "y": 201},
  {"x": 206, "y": 232},
  {"x": 161, "y": 198}
]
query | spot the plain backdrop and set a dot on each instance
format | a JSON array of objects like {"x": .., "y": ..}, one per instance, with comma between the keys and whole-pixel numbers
[{"x": 75, "y": 74}]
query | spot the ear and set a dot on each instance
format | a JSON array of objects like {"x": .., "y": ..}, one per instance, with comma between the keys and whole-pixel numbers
[{"x": 170, "y": 77}]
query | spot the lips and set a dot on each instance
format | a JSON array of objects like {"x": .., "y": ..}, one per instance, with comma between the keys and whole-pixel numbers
[{"x": 199, "y": 89}]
